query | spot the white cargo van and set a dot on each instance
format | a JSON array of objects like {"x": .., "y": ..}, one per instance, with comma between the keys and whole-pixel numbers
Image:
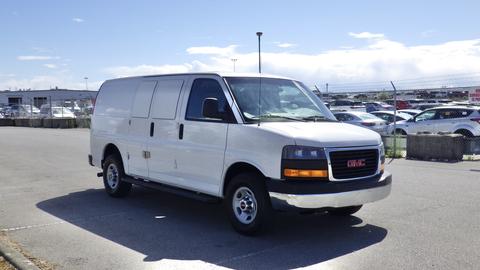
[{"x": 257, "y": 143}]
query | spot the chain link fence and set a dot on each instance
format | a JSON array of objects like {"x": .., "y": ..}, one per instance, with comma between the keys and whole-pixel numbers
[{"x": 47, "y": 108}]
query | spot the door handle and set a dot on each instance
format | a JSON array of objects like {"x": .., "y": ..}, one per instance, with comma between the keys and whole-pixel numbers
[
  {"x": 180, "y": 132},
  {"x": 152, "y": 129}
]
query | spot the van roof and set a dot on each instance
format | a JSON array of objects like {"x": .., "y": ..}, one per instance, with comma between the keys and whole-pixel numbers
[{"x": 221, "y": 74}]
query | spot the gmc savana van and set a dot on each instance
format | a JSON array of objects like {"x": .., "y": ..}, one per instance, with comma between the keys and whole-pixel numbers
[{"x": 257, "y": 143}]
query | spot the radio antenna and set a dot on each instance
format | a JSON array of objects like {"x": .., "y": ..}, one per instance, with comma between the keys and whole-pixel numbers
[{"x": 259, "y": 34}]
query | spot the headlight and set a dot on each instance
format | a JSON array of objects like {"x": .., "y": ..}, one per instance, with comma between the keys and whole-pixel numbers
[
  {"x": 382, "y": 157},
  {"x": 304, "y": 162},
  {"x": 382, "y": 150},
  {"x": 303, "y": 152}
]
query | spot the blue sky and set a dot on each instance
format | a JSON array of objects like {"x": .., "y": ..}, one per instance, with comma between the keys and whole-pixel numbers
[{"x": 58, "y": 43}]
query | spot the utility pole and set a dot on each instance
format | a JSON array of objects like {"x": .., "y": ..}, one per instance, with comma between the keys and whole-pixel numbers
[
  {"x": 326, "y": 88},
  {"x": 86, "y": 82},
  {"x": 234, "y": 60},
  {"x": 259, "y": 34}
]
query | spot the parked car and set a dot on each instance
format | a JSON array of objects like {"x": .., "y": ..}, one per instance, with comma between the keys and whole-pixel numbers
[
  {"x": 401, "y": 104},
  {"x": 55, "y": 112},
  {"x": 390, "y": 117},
  {"x": 22, "y": 110},
  {"x": 463, "y": 120},
  {"x": 425, "y": 106},
  {"x": 346, "y": 105},
  {"x": 412, "y": 112},
  {"x": 377, "y": 106},
  {"x": 363, "y": 119},
  {"x": 254, "y": 156}
]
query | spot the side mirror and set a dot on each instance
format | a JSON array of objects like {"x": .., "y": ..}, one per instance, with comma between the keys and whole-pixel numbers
[
  {"x": 210, "y": 109},
  {"x": 411, "y": 119}
]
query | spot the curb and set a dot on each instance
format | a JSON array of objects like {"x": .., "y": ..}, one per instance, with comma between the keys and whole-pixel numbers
[{"x": 15, "y": 258}]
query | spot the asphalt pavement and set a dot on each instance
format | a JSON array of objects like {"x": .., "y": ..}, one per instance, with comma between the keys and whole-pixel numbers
[{"x": 54, "y": 209}]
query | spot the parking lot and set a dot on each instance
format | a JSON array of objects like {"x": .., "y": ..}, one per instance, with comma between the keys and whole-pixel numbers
[{"x": 53, "y": 207}]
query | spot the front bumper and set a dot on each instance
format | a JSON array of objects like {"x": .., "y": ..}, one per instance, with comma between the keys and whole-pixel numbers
[{"x": 291, "y": 195}]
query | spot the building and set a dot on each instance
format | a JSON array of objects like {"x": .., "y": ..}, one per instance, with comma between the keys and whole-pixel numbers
[{"x": 40, "y": 97}]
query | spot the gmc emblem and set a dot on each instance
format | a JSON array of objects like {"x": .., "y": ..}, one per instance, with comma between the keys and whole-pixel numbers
[{"x": 355, "y": 163}]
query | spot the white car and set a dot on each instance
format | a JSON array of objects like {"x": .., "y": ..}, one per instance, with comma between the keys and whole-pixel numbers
[
  {"x": 56, "y": 112},
  {"x": 363, "y": 119},
  {"x": 463, "y": 120},
  {"x": 390, "y": 116},
  {"x": 412, "y": 112},
  {"x": 209, "y": 136}
]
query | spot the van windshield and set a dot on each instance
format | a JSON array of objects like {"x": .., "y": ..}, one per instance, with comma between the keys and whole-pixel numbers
[{"x": 280, "y": 100}]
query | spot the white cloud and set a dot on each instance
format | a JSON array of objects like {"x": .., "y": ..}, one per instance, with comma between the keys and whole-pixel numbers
[
  {"x": 36, "y": 57},
  {"x": 226, "y": 51},
  {"x": 125, "y": 71},
  {"x": 51, "y": 66},
  {"x": 42, "y": 82},
  {"x": 367, "y": 35},
  {"x": 285, "y": 45},
  {"x": 378, "y": 60},
  {"x": 78, "y": 20},
  {"x": 8, "y": 75}
]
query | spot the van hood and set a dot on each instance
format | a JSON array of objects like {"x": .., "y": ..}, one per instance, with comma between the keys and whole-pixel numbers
[{"x": 324, "y": 134}]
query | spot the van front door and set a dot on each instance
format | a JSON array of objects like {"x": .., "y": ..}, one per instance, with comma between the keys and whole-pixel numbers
[{"x": 202, "y": 141}]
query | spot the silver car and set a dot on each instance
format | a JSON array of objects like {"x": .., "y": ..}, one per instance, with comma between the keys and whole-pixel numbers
[
  {"x": 463, "y": 120},
  {"x": 363, "y": 119}
]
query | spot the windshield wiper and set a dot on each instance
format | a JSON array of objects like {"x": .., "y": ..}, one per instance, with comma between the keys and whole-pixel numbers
[
  {"x": 317, "y": 118},
  {"x": 281, "y": 116}
]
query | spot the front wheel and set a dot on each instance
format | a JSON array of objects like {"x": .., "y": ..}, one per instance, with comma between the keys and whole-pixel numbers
[
  {"x": 345, "y": 211},
  {"x": 112, "y": 177},
  {"x": 248, "y": 204}
]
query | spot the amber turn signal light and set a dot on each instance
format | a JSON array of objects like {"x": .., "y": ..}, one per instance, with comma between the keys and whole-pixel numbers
[{"x": 305, "y": 173}]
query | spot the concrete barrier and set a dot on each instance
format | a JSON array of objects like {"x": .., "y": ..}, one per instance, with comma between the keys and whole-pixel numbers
[
  {"x": 82, "y": 122},
  {"x": 36, "y": 122},
  {"x": 434, "y": 146},
  {"x": 6, "y": 122},
  {"x": 59, "y": 122}
]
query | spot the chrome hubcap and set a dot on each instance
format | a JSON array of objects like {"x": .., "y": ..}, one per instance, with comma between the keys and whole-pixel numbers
[
  {"x": 244, "y": 205},
  {"x": 112, "y": 176}
]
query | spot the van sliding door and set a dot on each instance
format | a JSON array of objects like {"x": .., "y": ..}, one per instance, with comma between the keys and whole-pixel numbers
[
  {"x": 139, "y": 130},
  {"x": 162, "y": 142}
]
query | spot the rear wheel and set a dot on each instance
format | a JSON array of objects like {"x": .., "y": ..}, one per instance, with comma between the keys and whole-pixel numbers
[
  {"x": 248, "y": 204},
  {"x": 345, "y": 211},
  {"x": 113, "y": 174}
]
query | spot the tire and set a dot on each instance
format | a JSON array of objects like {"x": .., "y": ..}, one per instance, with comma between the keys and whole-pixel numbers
[
  {"x": 345, "y": 211},
  {"x": 465, "y": 133},
  {"x": 112, "y": 177},
  {"x": 248, "y": 204},
  {"x": 399, "y": 131}
]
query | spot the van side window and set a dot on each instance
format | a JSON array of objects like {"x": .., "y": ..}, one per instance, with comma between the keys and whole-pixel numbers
[
  {"x": 202, "y": 89},
  {"x": 143, "y": 98}
]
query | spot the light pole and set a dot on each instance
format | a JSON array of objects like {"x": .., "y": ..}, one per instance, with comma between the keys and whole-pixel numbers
[
  {"x": 86, "y": 82},
  {"x": 234, "y": 60},
  {"x": 259, "y": 34}
]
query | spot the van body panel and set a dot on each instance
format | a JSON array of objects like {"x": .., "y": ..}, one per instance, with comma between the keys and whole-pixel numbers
[
  {"x": 163, "y": 143},
  {"x": 324, "y": 134},
  {"x": 257, "y": 146},
  {"x": 199, "y": 155}
]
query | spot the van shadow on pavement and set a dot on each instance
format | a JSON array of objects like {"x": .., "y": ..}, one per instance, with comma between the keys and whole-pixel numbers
[{"x": 165, "y": 226}]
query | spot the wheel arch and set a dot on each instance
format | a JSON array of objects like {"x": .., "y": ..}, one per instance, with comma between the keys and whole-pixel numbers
[
  {"x": 109, "y": 149},
  {"x": 464, "y": 131},
  {"x": 237, "y": 168}
]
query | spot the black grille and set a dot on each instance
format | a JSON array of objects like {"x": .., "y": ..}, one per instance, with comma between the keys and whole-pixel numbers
[{"x": 340, "y": 159}]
